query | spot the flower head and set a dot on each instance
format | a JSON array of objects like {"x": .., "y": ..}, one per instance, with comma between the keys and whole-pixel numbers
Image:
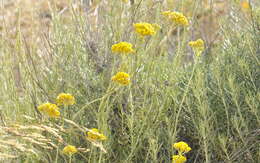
[
  {"x": 122, "y": 78},
  {"x": 176, "y": 17},
  {"x": 245, "y": 5},
  {"x": 122, "y": 47},
  {"x": 44, "y": 107},
  {"x": 53, "y": 111},
  {"x": 178, "y": 159},
  {"x": 70, "y": 150},
  {"x": 197, "y": 46},
  {"x": 65, "y": 99},
  {"x": 94, "y": 134},
  {"x": 145, "y": 29},
  {"x": 166, "y": 13},
  {"x": 125, "y": 1},
  {"x": 50, "y": 109},
  {"x": 182, "y": 147}
]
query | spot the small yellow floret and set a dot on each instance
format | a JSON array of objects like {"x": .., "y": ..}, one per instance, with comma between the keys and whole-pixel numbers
[
  {"x": 70, "y": 150},
  {"x": 166, "y": 13},
  {"x": 182, "y": 147},
  {"x": 145, "y": 29},
  {"x": 44, "y": 107},
  {"x": 178, "y": 159},
  {"x": 125, "y": 1},
  {"x": 65, "y": 99},
  {"x": 197, "y": 46},
  {"x": 177, "y": 17},
  {"x": 94, "y": 134},
  {"x": 123, "y": 48},
  {"x": 122, "y": 78},
  {"x": 245, "y": 5},
  {"x": 51, "y": 110}
]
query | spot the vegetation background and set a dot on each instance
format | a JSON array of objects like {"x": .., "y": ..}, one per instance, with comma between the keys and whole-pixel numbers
[{"x": 53, "y": 46}]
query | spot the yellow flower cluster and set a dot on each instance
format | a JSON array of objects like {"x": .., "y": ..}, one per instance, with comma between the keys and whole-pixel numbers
[
  {"x": 182, "y": 148},
  {"x": 70, "y": 150},
  {"x": 166, "y": 13},
  {"x": 121, "y": 78},
  {"x": 125, "y": 1},
  {"x": 197, "y": 46},
  {"x": 178, "y": 159},
  {"x": 123, "y": 48},
  {"x": 65, "y": 99},
  {"x": 145, "y": 29},
  {"x": 50, "y": 109},
  {"x": 245, "y": 5},
  {"x": 177, "y": 17},
  {"x": 94, "y": 134}
]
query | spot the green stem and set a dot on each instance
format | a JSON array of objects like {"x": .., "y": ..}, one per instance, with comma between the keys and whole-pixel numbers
[
  {"x": 70, "y": 159},
  {"x": 183, "y": 98}
]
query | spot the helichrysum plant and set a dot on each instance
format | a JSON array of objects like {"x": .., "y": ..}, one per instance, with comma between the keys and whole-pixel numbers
[
  {"x": 197, "y": 46},
  {"x": 50, "y": 109},
  {"x": 176, "y": 17},
  {"x": 245, "y": 6},
  {"x": 145, "y": 29},
  {"x": 95, "y": 135},
  {"x": 121, "y": 78},
  {"x": 182, "y": 148},
  {"x": 65, "y": 99},
  {"x": 178, "y": 159},
  {"x": 122, "y": 48},
  {"x": 69, "y": 150}
]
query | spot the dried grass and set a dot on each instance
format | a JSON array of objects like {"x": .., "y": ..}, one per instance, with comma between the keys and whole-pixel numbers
[{"x": 18, "y": 139}]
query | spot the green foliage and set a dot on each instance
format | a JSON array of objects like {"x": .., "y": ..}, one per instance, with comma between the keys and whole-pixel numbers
[{"x": 211, "y": 103}]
